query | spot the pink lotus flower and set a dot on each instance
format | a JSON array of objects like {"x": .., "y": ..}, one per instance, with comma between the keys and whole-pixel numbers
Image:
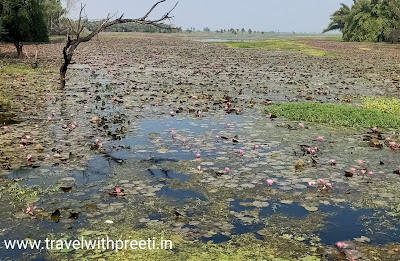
[
  {"x": 198, "y": 155},
  {"x": 48, "y": 156},
  {"x": 392, "y": 144},
  {"x": 199, "y": 113},
  {"x": 363, "y": 171},
  {"x": 374, "y": 129},
  {"x": 53, "y": 98},
  {"x": 73, "y": 126},
  {"x": 328, "y": 185},
  {"x": 226, "y": 169},
  {"x": 5, "y": 128},
  {"x": 256, "y": 146},
  {"x": 270, "y": 182},
  {"x": 29, "y": 157},
  {"x": 118, "y": 190},
  {"x": 241, "y": 152},
  {"x": 199, "y": 168},
  {"x": 352, "y": 169},
  {"x": 387, "y": 138},
  {"x": 229, "y": 125},
  {"x": 295, "y": 99},
  {"x": 21, "y": 146},
  {"x": 173, "y": 132},
  {"x": 301, "y": 125},
  {"x": 321, "y": 180},
  {"x": 172, "y": 113},
  {"x": 371, "y": 173},
  {"x": 97, "y": 141},
  {"x": 29, "y": 211},
  {"x": 49, "y": 118},
  {"x": 320, "y": 138},
  {"x": 360, "y": 162},
  {"x": 184, "y": 140},
  {"x": 339, "y": 244},
  {"x": 100, "y": 144},
  {"x": 311, "y": 183},
  {"x": 333, "y": 162}
]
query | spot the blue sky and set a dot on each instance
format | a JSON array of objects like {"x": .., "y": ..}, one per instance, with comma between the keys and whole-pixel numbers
[{"x": 283, "y": 15}]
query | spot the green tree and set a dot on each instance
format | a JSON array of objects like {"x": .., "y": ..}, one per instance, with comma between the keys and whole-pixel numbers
[
  {"x": 38, "y": 26},
  {"x": 367, "y": 20},
  {"x": 207, "y": 30},
  {"x": 53, "y": 11},
  {"x": 23, "y": 21},
  {"x": 392, "y": 10}
]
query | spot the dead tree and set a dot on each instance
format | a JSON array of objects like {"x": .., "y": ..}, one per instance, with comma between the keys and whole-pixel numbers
[{"x": 73, "y": 43}]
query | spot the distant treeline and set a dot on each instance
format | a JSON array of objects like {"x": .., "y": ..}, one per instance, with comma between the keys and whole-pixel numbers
[
  {"x": 368, "y": 20},
  {"x": 132, "y": 27}
]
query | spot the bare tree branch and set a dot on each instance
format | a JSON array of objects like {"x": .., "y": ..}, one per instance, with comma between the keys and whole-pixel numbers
[
  {"x": 151, "y": 9},
  {"x": 72, "y": 44},
  {"x": 80, "y": 28}
]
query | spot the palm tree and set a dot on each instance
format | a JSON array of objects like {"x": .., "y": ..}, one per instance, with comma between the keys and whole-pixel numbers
[{"x": 339, "y": 19}]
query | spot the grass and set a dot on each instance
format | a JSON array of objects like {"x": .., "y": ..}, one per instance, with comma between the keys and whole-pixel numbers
[
  {"x": 336, "y": 114},
  {"x": 383, "y": 104},
  {"x": 281, "y": 45},
  {"x": 23, "y": 69},
  {"x": 15, "y": 78},
  {"x": 257, "y": 36}
]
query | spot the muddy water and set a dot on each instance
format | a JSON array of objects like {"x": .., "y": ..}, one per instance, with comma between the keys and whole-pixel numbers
[{"x": 160, "y": 163}]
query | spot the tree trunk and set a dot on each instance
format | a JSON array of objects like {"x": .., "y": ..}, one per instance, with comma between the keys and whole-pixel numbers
[
  {"x": 63, "y": 73},
  {"x": 68, "y": 52},
  {"x": 18, "y": 45}
]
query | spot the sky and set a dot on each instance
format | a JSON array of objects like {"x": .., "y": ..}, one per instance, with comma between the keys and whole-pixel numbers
[{"x": 300, "y": 16}]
